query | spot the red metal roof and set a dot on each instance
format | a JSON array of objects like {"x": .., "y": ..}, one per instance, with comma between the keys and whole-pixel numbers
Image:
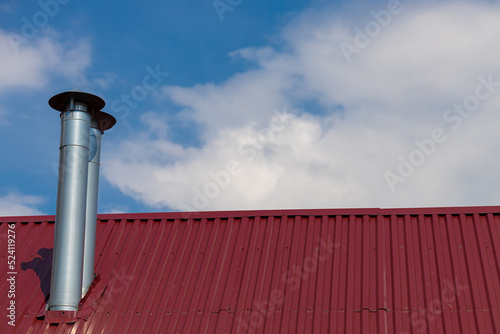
[{"x": 432, "y": 270}]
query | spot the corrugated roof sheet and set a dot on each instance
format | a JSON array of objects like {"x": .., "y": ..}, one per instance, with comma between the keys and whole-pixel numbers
[{"x": 430, "y": 270}]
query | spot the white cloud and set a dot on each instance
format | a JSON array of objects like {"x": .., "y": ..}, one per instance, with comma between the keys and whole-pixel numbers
[
  {"x": 15, "y": 204},
  {"x": 114, "y": 208},
  {"x": 351, "y": 121},
  {"x": 105, "y": 81},
  {"x": 34, "y": 62}
]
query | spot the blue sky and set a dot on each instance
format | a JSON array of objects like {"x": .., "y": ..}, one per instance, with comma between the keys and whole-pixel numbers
[{"x": 235, "y": 104}]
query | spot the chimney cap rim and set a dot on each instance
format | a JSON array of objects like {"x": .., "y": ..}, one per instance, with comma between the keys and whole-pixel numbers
[
  {"x": 104, "y": 120},
  {"x": 59, "y": 101}
]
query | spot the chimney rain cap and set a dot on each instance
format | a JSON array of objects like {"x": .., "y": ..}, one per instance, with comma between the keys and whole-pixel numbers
[
  {"x": 60, "y": 101},
  {"x": 104, "y": 120}
]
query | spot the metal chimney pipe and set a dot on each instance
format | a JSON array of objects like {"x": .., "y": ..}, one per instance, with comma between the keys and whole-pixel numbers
[
  {"x": 101, "y": 122},
  {"x": 77, "y": 109}
]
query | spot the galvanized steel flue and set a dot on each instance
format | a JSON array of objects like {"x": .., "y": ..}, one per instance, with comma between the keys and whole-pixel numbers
[{"x": 82, "y": 125}]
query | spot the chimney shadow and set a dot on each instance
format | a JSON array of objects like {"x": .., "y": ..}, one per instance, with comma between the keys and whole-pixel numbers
[{"x": 42, "y": 266}]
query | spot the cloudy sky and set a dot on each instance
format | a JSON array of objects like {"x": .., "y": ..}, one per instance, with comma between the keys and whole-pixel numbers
[{"x": 238, "y": 104}]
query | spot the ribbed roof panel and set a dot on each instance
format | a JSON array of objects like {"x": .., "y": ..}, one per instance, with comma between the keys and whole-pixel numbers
[{"x": 309, "y": 271}]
